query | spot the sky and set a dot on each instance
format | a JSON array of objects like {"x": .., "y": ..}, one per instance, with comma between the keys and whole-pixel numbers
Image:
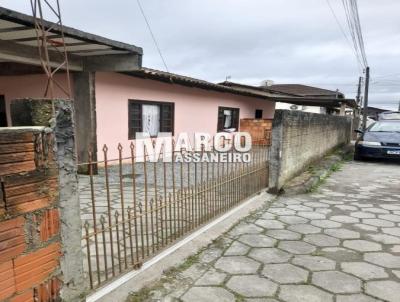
[{"x": 286, "y": 41}]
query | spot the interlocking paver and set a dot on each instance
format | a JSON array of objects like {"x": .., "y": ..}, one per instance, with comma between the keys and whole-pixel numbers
[
  {"x": 252, "y": 286},
  {"x": 314, "y": 263},
  {"x": 202, "y": 294},
  {"x": 392, "y": 231},
  {"x": 311, "y": 215},
  {"x": 355, "y": 298},
  {"x": 292, "y": 219},
  {"x": 384, "y": 238},
  {"x": 257, "y": 240},
  {"x": 237, "y": 249},
  {"x": 303, "y": 293},
  {"x": 297, "y": 247},
  {"x": 237, "y": 265},
  {"x": 386, "y": 290},
  {"x": 343, "y": 233},
  {"x": 361, "y": 214},
  {"x": 344, "y": 219},
  {"x": 270, "y": 255},
  {"x": 285, "y": 273},
  {"x": 321, "y": 240},
  {"x": 378, "y": 222},
  {"x": 211, "y": 277},
  {"x": 270, "y": 224},
  {"x": 283, "y": 234},
  {"x": 304, "y": 228},
  {"x": 337, "y": 282},
  {"x": 383, "y": 259},
  {"x": 362, "y": 245},
  {"x": 324, "y": 223},
  {"x": 364, "y": 270},
  {"x": 390, "y": 217}
]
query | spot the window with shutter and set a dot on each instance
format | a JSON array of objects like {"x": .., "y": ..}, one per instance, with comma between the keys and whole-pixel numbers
[
  {"x": 228, "y": 118},
  {"x": 148, "y": 116}
]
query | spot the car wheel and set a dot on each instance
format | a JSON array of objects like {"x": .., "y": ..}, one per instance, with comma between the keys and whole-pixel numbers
[{"x": 358, "y": 157}]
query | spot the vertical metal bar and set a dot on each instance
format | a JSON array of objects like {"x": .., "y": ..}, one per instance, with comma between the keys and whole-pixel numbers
[
  {"x": 88, "y": 253},
  {"x": 118, "y": 241},
  {"x": 163, "y": 241},
  {"x": 155, "y": 201},
  {"x": 187, "y": 213},
  {"x": 178, "y": 214},
  {"x": 173, "y": 168},
  {"x": 146, "y": 200},
  {"x": 196, "y": 209},
  {"x": 103, "y": 235},
  {"x": 174, "y": 213},
  {"x": 130, "y": 234},
  {"x": 134, "y": 200},
  {"x": 105, "y": 149},
  {"x": 121, "y": 188},
  {"x": 141, "y": 227},
  {"x": 161, "y": 208},
  {"x": 170, "y": 216},
  {"x": 152, "y": 225},
  {"x": 94, "y": 214}
]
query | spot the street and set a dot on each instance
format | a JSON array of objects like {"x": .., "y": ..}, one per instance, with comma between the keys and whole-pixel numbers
[{"x": 340, "y": 243}]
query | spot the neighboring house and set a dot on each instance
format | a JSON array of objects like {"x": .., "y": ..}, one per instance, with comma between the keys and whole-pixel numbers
[
  {"x": 311, "y": 99},
  {"x": 307, "y": 91},
  {"x": 373, "y": 112}
]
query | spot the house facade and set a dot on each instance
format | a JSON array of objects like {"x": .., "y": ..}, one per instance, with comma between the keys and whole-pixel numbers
[{"x": 127, "y": 104}]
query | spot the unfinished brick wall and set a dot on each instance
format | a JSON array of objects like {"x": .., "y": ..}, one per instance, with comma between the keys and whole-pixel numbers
[
  {"x": 30, "y": 246},
  {"x": 259, "y": 129}
]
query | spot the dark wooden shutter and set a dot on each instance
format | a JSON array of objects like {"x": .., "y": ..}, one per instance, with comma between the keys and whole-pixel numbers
[
  {"x": 134, "y": 119},
  {"x": 3, "y": 115},
  {"x": 235, "y": 118},
  {"x": 220, "y": 125},
  {"x": 167, "y": 117}
]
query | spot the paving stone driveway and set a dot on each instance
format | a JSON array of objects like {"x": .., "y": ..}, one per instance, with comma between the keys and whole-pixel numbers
[{"x": 341, "y": 243}]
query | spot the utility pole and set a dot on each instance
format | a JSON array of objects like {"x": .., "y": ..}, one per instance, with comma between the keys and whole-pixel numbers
[
  {"x": 365, "y": 111},
  {"x": 357, "y": 110},
  {"x": 359, "y": 91}
]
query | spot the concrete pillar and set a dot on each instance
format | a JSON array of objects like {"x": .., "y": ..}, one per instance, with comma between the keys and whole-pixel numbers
[
  {"x": 71, "y": 231},
  {"x": 85, "y": 119},
  {"x": 276, "y": 152}
]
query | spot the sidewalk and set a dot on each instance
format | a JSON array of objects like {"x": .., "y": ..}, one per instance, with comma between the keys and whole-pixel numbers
[{"x": 342, "y": 242}]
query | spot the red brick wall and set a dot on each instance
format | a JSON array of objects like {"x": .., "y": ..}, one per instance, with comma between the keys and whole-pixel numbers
[
  {"x": 29, "y": 217},
  {"x": 259, "y": 129}
]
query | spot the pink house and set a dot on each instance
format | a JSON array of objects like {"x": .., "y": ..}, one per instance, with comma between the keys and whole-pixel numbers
[{"x": 114, "y": 96}]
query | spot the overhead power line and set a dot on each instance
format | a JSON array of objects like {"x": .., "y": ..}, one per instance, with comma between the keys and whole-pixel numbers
[
  {"x": 152, "y": 35},
  {"x": 345, "y": 35},
  {"x": 355, "y": 29}
]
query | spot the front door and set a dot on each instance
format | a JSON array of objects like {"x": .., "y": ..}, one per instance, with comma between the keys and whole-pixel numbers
[{"x": 3, "y": 114}]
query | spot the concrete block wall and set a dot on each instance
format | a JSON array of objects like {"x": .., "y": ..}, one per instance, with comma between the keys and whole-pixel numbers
[
  {"x": 259, "y": 129},
  {"x": 299, "y": 138},
  {"x": 30, "y": 246}
]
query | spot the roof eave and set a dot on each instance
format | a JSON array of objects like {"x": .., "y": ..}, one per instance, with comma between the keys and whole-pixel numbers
[{"x": 27, "y": 20}]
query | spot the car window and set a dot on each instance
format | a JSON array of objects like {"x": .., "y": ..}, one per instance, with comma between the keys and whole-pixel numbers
[{"x": 385, "y": 127}]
